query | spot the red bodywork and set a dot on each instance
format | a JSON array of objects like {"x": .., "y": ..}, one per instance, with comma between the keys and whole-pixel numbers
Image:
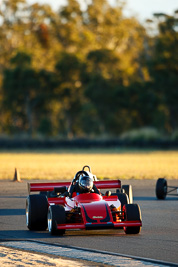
[{"x": 91, "y": 210}]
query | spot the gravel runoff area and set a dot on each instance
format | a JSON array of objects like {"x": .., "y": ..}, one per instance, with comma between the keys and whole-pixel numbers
[
  {"x": 10, "y": 257},
  {"x": 25, "y": 253}
]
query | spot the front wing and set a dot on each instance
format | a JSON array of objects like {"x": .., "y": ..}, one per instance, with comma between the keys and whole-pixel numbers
[{"x": 93, "y": 226}]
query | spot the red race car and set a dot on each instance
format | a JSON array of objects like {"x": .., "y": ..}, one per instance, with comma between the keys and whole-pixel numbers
[{"x": 81, "y": 205}]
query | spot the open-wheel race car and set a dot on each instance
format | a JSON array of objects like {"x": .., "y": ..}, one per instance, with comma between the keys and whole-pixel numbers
[
  {"x": 80, "y": 204},
  {"x": 162, "y": 189}
]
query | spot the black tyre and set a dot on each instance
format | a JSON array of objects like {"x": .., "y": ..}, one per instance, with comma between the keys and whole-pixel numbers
[
  {"x": 48, "y": 193},
  {"x": 56, "y": 215},
  {"x": 122, "y": 197},
  {"x": 36, "y": 212},
  {"x": 45, "y": 193},
  {"x": 161, "y": 188},
  {"x": 129, "y": 192},
  {"x": 132, "y": 213}
]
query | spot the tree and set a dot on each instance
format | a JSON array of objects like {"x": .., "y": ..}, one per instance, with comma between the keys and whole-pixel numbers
[
  {"x": 164, "y": 70},
  {"x": 70, "y": 91},
  {"x": 25, "y": 94},
  {"x": 85, "y": 71}
]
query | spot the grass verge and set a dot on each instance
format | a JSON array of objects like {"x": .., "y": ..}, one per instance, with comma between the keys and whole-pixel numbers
[{"x": 115, "y": 164}]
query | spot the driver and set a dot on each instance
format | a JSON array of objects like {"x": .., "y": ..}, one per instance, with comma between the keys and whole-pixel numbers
[{"x": 84, "y": 184}]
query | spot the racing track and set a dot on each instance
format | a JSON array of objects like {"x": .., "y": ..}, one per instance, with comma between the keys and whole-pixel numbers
[{"x": 157, "y": 240}]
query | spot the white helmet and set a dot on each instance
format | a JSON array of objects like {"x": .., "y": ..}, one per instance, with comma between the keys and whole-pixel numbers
[{"x": 85, "y": 183}]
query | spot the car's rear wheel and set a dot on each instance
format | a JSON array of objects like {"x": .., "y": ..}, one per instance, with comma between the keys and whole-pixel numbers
[
  {"x": 161, "y": 188},
  {"x": 56, "y": 215},
  {"x": 128, "y": 191},
  {"x": 36, "y": 212},
  {"x": 123, "y": 198},
  {"x": 132, "y": 213}
]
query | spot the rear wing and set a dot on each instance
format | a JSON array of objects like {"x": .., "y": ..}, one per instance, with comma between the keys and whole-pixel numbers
[{"x": 106, "y": 184}]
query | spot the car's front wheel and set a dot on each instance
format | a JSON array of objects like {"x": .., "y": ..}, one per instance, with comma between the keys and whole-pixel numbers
[
  {"x": 36, "y": 212},
  {"x": 56, "y": 215},
  {"x": 132, "y": 213}
]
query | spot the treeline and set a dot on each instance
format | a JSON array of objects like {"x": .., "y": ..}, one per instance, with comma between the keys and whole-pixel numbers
[
  {"x": 86, "y": 143},
  {"x": 86, "y": 73}
]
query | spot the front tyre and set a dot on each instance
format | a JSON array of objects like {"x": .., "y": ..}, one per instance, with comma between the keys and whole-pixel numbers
[
  {"x": 36, "y": 212},
  {"x": 132, "y": 213},
  {"x": 56, "y": 215},
  {"x": 161, "y": 188}
]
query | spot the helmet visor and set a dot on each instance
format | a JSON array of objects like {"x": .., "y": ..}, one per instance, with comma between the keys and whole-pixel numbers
[{"x": 86, "y": 183}]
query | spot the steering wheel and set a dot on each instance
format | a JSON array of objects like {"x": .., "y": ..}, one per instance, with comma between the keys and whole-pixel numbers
[{"x": 78, "y": 174}]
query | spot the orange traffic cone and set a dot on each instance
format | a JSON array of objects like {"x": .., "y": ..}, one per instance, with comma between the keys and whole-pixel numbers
[{"x": 17, "y": 176}]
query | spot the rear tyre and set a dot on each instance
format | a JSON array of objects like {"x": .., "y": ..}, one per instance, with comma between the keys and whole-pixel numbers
[
  {"x": 129, "y": 192},
  {"x": 161, "y": 188},
  {"x": 123, "y": 198},
  {"x": 132, "y": 213},
  {"x": 56, "y": 215},
  {"x": 48, "y": 193},
  {"x": 36, "y": 212},
  {"x": 45, "y": 193}
]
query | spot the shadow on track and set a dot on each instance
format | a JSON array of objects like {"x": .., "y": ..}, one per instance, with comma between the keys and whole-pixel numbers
[
  {"x": 13, "y": 197},
  {"x": 10, "y": 212},
  {"x": 147, "y": 198},
  {"x": 25, "y": 234}
]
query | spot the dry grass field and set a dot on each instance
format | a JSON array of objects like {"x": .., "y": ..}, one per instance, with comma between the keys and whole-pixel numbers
[{"x": 56, "y": 165}]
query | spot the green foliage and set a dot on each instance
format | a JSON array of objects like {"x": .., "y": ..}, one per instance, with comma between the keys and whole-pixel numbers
[
  {"x": 164, "y": 70},
  {"x": 45, "y": 127},
  {"x": 27, "y": 92},
  {"x": 143, "y": 134},
  {"x": 21, "y": 59},
  {"x": 89, "y": 72},
  {"x": 174, "y": 135},
  {"x": 70, "y": 90}
]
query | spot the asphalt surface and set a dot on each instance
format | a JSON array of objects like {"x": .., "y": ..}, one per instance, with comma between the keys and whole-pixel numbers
[{"x": 158, "y": 239}]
